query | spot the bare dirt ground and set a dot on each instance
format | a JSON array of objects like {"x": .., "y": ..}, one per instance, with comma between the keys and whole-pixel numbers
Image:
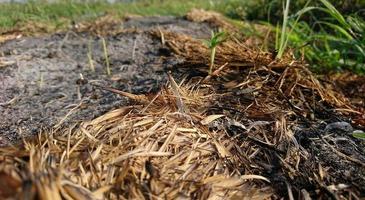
[
  {"x": 258, "y": 128},
  {"x": 42, "y": 88}
]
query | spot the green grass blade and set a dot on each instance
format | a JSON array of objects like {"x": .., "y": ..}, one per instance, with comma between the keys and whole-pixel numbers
[
  {"x": 335, "y": 13},
  {"x": 339, "y": 29},
  {"x": 283, "y": 30}
]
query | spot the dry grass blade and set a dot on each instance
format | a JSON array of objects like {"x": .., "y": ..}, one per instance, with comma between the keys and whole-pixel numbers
[
  {"x": 177, "y": 92},
  {"x": 210, "y": 119},
  {"x": 76, "y": 191},
  {"x": 138, "y": 98}
]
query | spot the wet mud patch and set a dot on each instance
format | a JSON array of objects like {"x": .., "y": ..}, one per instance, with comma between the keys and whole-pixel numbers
[{"x": 46, "y": 81}]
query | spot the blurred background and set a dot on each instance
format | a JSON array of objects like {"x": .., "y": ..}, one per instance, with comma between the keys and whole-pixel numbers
[{"x": 329, "y": 34}]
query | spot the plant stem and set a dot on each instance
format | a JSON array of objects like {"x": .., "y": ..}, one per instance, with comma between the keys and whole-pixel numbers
[
  {"x": 106, "y": 57},
  {"x": 91, "y": 62},
  {"x": 90, "y": 57},
  {"x": 283, "y": 30},
  {"x": 212, "y": 57}
]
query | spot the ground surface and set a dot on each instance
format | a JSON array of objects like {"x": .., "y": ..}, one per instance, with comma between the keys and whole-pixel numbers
[
  {"x": 41, "y": 84},
  {"x": 274, "y": 132}
]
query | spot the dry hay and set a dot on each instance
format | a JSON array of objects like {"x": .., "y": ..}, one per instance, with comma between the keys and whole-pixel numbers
[
  {"x": 211, "y": 17},
  {"x": 163, "y": 149},
  {"x": 107, "y": 24},
  {"x": 263, "y": 33},
  {"x": 228, "y": 136},
  {"x": 233, "y": 52}
]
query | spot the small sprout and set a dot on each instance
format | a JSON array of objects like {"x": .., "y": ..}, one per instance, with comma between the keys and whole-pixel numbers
[
  {"x": 358, "y": 134},
  {"x": 215, "y": 40},
  {"x": 106, "y": 57}
]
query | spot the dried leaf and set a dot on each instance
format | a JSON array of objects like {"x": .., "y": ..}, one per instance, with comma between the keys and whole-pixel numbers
[
  {"x": 210, "y": 119},
  {"x": 140, "y": 153}
]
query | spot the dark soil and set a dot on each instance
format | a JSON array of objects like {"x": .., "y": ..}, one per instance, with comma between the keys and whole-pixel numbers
[
  {"x": 330, "y": 153},
  {"x": 42, "y": 85}
]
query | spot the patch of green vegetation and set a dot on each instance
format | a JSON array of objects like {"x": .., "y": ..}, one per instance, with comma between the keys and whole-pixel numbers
[
  {"x": 329, "y": 34},
  {"x": 272, "y": 10},
  {"x": 333, "y": 43},
  {"x": 63, "y": 12}
]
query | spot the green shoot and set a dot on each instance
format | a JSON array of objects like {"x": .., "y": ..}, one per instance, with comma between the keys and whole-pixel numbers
[
  {"x": 284, "y": 34},
  {"x": 335, "y": 13},
  {"x": 106, "y": 57},
  {"x": 215, "y": 40}
]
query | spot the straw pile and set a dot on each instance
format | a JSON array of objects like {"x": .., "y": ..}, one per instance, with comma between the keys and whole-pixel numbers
[
  {"x": 163, "y": 149},
  {"x": 234, "y": 52}
]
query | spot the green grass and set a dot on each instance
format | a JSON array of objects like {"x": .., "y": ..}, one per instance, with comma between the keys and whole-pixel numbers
[
  {"x": 330, "y": 34},
  {"x": 332, "y": 43},
  {"x": 272, "y": 10},
  {"x": 63, "y": 12},
  {"x": 283, "y": 38}
]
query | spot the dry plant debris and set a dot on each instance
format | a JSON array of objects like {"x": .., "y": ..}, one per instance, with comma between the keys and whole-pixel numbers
[
  {"x": 215, "y": 147},
  {"x": 211, "y": 17},
  {"x": 234, "y": 52},
  {"x": 147, "y": 151},
  {"x": 106, "y": 24},
  {"x": 256, "y": 129}
]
